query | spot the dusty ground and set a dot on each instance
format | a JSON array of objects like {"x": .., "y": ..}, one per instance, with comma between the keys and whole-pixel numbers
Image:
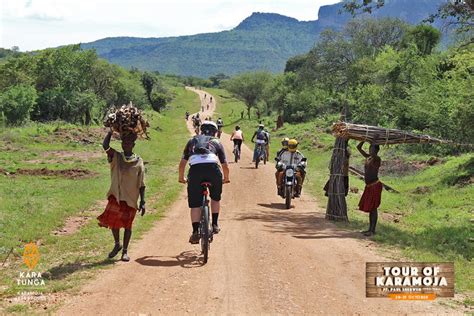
[
  {"x": 73, "y": 173},
  {"x": 266, "y": 260}
]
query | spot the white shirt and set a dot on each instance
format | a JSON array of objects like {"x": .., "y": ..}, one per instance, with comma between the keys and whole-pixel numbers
[{"x": 289, "y": 158}]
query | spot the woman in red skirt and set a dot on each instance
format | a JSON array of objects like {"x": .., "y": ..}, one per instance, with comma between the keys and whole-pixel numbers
[
  {"x": 127, "y": 175},
  {"x": 372, "y": 195}
]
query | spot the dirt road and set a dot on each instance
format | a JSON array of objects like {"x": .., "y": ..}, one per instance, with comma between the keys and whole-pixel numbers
[{"x": 266, "y": 260}]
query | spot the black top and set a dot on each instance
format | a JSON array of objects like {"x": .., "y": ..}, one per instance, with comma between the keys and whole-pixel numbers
[{"x": 215, "y": 147}]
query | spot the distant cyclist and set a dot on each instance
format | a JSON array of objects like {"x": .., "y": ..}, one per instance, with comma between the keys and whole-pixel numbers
[
  {"x": 220, "y": 123},
  {"x": 187, "y": 115},
  {"x": 262, "y": 139},
  {"x": 204, "y": 152},
  {"x": 197, "y": 123}
]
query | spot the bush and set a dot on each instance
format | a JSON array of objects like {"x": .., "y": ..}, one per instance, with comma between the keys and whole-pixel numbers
[{"x": 17, "y": 103}]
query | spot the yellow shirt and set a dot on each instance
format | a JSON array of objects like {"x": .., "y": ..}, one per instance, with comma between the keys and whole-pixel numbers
[{"x": 126, "y": 179}]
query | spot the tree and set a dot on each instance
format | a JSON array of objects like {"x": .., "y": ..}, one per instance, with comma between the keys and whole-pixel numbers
[
  {"x": 159, "y": 101},
  {"x": 425, "y": 37},
  {"x": 249, "y": 87},
  {"x": 216, "y": 80},
  {"x": 295, "y": 63},
  {"x": 148, "y": 82},
  {"x": 17, "y": 102}
]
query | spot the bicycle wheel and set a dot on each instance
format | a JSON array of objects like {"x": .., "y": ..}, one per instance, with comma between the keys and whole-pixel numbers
[
  {"x": 205, "y": 233},
  {"x": 236, "y": 154}
]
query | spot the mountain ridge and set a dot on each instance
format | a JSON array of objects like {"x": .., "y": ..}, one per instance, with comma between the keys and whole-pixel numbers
[{"x": 262, "y": 41}]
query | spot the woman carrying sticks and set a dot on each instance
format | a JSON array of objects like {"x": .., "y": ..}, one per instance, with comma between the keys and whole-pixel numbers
[
  {"x": 127, "y": 175},
  {"x": 372, "y": 195}
]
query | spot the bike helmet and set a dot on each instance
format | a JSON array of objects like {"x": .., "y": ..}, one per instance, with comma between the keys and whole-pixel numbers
[
  {"x": 284, "y": 142},
  {"x": 209, "y": 128},
  {"x": 261, "y": 126},
  {"x": 292, "y": 145}
]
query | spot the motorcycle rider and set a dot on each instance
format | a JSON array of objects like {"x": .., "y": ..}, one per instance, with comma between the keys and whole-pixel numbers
[
  {"x": 267, "y": 144},
  {"x": 262, "y": 139},
  {"x": 204, "y": 152},
  {"x": 291, "y": 157},
  {"x": 284, "y": 147},
  {"x": 278, "y": 167}
]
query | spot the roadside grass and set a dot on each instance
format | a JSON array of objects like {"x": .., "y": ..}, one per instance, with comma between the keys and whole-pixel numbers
[
  {"x": 33, "y": 207},
  {"x": 434, "y": 225}
]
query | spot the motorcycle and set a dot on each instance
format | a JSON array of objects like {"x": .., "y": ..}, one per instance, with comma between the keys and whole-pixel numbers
[{"x": 289, "y": 183}]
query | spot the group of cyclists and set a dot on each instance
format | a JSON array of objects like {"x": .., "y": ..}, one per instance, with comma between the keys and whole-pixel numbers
[{"x": 204, "y": 152}]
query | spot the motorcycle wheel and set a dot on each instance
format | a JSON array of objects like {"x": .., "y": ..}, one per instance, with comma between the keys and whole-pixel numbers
[{"x": 288, "y": 197}]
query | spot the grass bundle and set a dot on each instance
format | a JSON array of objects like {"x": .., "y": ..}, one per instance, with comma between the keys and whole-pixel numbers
[
  {"x": 381, "y": 136},
  {"x": 127, "y": 120}
]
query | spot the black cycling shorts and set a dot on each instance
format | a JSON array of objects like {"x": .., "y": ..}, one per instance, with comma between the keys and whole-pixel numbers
[
  {"x": 206, "y": 172},
  {"x": 238, "y": 142}
]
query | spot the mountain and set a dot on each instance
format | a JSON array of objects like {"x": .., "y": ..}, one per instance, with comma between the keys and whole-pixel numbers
[{"x": 263, "y": 41}]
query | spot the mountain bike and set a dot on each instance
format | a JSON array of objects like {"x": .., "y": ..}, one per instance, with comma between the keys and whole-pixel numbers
[
  {"x": 205, "y": 229},
  {"x": 236, "y": 153},
  {"x": 261, "y": 155}
]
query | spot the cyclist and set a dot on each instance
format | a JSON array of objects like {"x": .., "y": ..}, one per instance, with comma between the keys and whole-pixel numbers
[
  {"x": 262, "y": 139},
  {"x": 187, "y": 115},
  {"x": 197, "y": 123},
  {"x": 220, "y": 123},
  {"x": 237, "y": 137},
  {"x": 292, "y": 157},
  {"x": 204, "y": 152}
]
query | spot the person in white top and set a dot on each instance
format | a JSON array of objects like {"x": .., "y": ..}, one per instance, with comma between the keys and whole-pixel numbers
[{"x": 237, "y": 137}]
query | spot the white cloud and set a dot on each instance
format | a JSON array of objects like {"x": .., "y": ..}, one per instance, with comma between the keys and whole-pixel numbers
[{"x": 35, "y": 24}]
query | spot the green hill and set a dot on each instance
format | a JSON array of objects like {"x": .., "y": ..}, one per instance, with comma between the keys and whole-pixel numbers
[{"x": 263, "y": 41}]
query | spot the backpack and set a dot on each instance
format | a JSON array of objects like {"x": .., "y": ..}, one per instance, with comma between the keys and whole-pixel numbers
[
  {"x": 202, "y": 145},
  {"x": 261, "y": 135}
]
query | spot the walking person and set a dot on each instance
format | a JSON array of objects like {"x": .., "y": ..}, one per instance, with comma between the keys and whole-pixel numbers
[
  {"x": 371, "y": 198},
  {"x": 127, "y": 185}
]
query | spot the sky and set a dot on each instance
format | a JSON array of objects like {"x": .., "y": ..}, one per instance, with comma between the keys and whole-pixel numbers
[{"x": 38, "y": 24}]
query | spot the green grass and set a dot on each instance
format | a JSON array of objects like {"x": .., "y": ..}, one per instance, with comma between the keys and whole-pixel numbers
[
  {"x": 434, "y": 226},
  {"x": 33, "y": 207}
]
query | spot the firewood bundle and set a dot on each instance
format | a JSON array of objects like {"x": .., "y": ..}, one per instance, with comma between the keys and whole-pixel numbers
[
  {"x": 381, "y": 136},
  {"x": 127, "y": 120},
  {"x": 336, "y": 209}
]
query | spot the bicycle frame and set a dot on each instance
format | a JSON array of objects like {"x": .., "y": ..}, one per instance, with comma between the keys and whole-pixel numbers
[
  {"x": 261, "y": 151},
  {"x": 205, "y": 230}
]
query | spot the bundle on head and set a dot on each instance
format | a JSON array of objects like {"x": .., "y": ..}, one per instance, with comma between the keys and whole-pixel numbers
[
  {"x": 380, "y": 136},
  {"x": 127, "y": 120}
]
